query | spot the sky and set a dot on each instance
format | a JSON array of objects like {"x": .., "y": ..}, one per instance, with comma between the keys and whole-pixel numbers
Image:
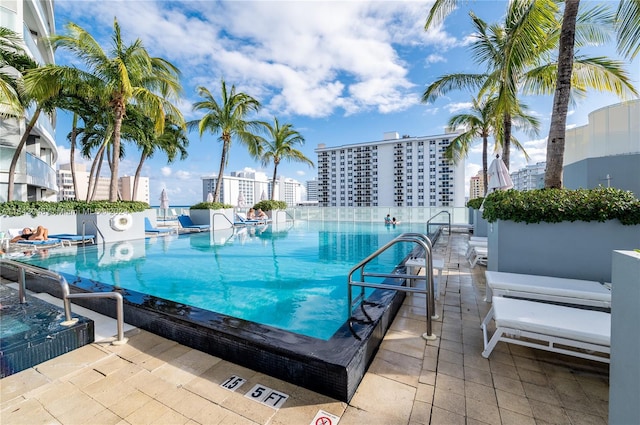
[{"x": 341, "y": 72}]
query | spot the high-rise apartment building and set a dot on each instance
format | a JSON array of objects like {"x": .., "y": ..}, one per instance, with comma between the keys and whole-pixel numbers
[
  {"x": 35, "y": 174},
  {"x": 312, "y": 190},
  {"x": 401, "y": 172},
  {"x": 248, "y": 187},
  {"x": 125, "y": 185},
  {"x": 530, "y": 177},
  {"x": 476, "y": 186}
]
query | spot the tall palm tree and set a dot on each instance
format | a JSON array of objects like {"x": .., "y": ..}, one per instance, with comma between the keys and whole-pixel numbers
[
  {"x": 125, "y": 74},
  {"x": 229, "y": 119},
  {"x": 507, "y": 51},
  {"x": 627, "y": 26},
  {"x": 281, "y": 145}
]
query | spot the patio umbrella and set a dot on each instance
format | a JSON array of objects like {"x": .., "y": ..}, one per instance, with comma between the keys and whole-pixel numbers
[
  {"x": 164, "y": 202},
  {"x": 263, "y": 196},
  {"x": 499, "y": 178},
  {"x": 241, "y": 201},
  {"x": 210, "y": 197}
]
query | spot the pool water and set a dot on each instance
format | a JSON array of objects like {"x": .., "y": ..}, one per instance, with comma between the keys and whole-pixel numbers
[{"x": 293, "y": 278}]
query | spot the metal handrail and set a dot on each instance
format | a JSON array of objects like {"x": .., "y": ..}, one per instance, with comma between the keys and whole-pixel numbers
[
  {"x": 95, "y": 224},
  {"x": 66, "y": 295},
  {"x": 225, "y": 217},
  {"x": 425, "y": 243},
  {"x": 448, "y": 223}
]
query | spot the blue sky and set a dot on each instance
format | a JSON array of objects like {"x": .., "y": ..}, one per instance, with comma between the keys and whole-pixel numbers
[{"x": 340, "y": 72}]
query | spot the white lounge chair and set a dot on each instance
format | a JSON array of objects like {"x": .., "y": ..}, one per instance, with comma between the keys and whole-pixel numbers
[
  {"x": 566, "y": 330},
  {"x": 478, "y": 255},
  {"x": 568, "y": 291}
]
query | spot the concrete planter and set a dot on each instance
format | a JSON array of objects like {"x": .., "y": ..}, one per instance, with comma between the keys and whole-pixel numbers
[
  {"x": 577, "y": 250},
  {"x": 480, "y": 224},
  {"x": 217, "y": 219},
  {"x": 74, "y": 224}
]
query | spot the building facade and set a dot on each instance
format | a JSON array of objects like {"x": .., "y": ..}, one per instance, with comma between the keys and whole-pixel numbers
[
  {"x": 530, "y": 177},
  {"x": 248, "y": 187},
  {"x": 606, "y": 151},
  {"x": 35, "y": 175},
  {"x": 312, "y": 190},
  {"x": 125, "y": 185},
  {"x": 395, "y": 171},
  {"x": 476, "y": 186}
]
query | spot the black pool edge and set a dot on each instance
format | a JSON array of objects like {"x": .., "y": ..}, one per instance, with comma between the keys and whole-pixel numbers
[{"x": 333, "y": 368}]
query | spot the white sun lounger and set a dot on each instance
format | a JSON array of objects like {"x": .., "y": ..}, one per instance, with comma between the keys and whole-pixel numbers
[
  {"x": 566, "y": 330},
  {"x": 478, "y": 255},
  {"x": 569, "y": 291}
]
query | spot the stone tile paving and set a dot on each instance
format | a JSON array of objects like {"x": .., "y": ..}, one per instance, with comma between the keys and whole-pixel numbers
[{"x": 411, "y": 381}]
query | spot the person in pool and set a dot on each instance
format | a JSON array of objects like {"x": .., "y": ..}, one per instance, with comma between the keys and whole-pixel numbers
[{"x": 387, "y": 219}]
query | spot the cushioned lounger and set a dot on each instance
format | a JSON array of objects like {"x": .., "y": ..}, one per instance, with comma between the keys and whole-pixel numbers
[
  {"x": 566, "y": 330},
  {"x": 186, "y": 223},
  {"x": 74, "y": 238},
  {"x": 569, "y": 291}
]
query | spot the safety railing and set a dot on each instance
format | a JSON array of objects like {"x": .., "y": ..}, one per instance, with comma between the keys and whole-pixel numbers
[
  {"x": 223, "y": 215},
  {"x": 416, "y": 238},
  {"x": 66, "y": 295},
  {"x": 430, "y": 222}
]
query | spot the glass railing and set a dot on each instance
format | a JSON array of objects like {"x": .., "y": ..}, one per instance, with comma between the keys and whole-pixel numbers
[
  {"x": 459, "y": 215},
  {"x": 40, "y": 174}
]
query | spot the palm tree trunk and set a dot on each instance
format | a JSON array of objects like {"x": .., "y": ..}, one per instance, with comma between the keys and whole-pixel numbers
[
  {"x": 119, "y": 115},
  {"x": 143, "y": 157},
  {"x": 223, "y": 160},
  {"x": 556, "y": 139},
  {"x": 16, "y": 155},
  {"x": 72, "y": 154},
  {"x": 273, "y": 184},
  {"x": 506, "y": 144},
  {"x": 93, "y": 180},
  {"x": 97, "y": 176},
  {"x": 485, "y": 169}
]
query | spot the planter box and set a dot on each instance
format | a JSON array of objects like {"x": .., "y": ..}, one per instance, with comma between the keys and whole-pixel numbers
[
  {"x": 214, "y": 218},
  {"x": 480, "y": 224},
  {"x": 576, "y": 250}
]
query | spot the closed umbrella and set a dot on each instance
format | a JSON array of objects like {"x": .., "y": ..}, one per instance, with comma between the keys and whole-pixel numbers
[
  {"x": 263, "y": 196},
  {"x": 164, "y": 202},
  {"x": 241, "y": 201},
  {"x": 210, "y": 197},
  {"x": 499, "y": 178}
]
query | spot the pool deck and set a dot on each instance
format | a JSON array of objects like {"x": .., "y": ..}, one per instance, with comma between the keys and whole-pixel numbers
[{"x": 152, "y": 380}]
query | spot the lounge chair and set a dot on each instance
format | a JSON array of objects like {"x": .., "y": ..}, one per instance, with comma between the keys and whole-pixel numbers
[
  {"x": 478, "y": 255},
  {"x": 186, "y": 223},
  {"x": 33, "y": 244},
  {"x": 242, "y": 220},
  {"x": 560, "y": 329},
  {"x": 547, "y": 288},
  {"x": 75, "y": 239},
  {"x": 148, "y": 228}
]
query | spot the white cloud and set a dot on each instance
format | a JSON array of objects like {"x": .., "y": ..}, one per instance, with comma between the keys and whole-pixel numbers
[
  {"x": 459, "y": 106},
  {"x": 435, "y": 58},
  {"x": 165, "y": 171}
]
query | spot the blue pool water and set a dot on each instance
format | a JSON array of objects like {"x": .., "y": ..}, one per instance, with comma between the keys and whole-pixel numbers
[{"x": 293, "y": 278}]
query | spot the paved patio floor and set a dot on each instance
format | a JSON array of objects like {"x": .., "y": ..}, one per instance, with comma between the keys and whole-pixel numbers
[{"x": 152, "y": 380}]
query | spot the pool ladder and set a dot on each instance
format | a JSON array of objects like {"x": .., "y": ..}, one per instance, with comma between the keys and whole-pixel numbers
[
  {"x": 66, "y": 295},
  {"x": 417, "y": 238}
]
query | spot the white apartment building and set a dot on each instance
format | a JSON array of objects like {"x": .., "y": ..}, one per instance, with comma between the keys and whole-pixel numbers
[
  {"x": 35, "y": 174},
  {"x": 530, "y": 177},
  {"x": 312, "y": 190},
  {"x": 248, "y": 187},
  {"x": 400, "y": 172},
  {"x": 125, "y": 185},
  {"x": 476, "y": 186}
]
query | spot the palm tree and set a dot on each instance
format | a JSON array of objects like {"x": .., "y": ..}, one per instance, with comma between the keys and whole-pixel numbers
[
  {"x": 507, "y": 51},
  {"x": 627, "y": 25},
  {"x": 281, "y": 146},
  {"x": 482, "y": 122},
  {"x": 229, "y": 119},
  {"x": 126, "y": 74},
  {"x": 13, "y": 63}
]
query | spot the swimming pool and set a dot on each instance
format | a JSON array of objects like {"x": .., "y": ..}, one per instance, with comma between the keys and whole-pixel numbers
[
  {"x": 293, "y": 279},
  {"x": 277, "y": 287}
]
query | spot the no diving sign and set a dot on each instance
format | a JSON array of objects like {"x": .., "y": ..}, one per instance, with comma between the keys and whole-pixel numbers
[{"x": 325, "y": 418}]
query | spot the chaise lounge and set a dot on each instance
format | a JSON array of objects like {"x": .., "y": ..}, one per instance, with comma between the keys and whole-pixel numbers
[
  {"x": 560, "y": 329},
  {"x": 547, "y": 288},
  {"x": 186, "y": 223},
  {"x": 148, "y": 228}
]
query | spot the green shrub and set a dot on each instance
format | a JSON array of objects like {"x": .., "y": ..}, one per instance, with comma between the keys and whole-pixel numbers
[
  {"x": 556, "y": 205},
  {"x": 211, "y": 206},
  {"x": 475, "y": 203},
  {"x": 268, "y": 205},
  {"x": 18, "y": 208}
]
